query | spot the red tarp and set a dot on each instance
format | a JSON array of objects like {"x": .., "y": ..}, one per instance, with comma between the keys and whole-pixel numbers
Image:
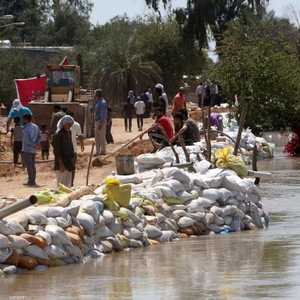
[{"x": 31, "y": 88}]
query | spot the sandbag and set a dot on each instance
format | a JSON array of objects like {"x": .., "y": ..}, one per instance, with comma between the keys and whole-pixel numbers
[
  {"x": 58, "y": 235},
  {"x": 17, "y": 242},
  {"x": 116, "y": 226},
  {"x": 55, "y": 252},
  {"x": 152, "y": 231},
  {"x": 102, "y": 233},
  {"x": 199, "y": 204},
  {"x": 167, "y": 236},
  {"x": 125, "y": 179},
  {"x": 36, "y": 217},
  {"x": 212, "y": 194},
  {"x": 89, "y": 207},
  {"x": 5, "y": 229},
  {"x": 132, "y": 233},
  {"x": 5, "y": 242},
  {"x": 35, "y": 240},
  {"x": 45, "y": 236},
  {"x": 108, "y": 216},
  {"x": 87, "y": 222},
  {"x": 35, "y": 251},
  {"x": 185, "y": 222}
]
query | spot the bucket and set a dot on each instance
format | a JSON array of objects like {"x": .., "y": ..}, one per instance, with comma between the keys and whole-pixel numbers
[{"x": 125, "y": 164}]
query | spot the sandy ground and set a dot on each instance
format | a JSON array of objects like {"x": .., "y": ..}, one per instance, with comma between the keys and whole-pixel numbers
[{"x": 11, "y": 185}]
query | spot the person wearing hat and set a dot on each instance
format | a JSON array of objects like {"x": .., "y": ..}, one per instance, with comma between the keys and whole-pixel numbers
[
  {"x": 63, "y": 149},
  {"x": 17, "y": 111},
  {"x": 179, "y": 102},
  {"x": 163, "y": 102}
]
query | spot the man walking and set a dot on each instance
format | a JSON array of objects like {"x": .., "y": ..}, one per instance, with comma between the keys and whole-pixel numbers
[
  {"x": 100, "y": 123},
  {"x": 31, "y": 138},
  {"x": 56, "y": 116},
  {"x": 140, "y": 108}
]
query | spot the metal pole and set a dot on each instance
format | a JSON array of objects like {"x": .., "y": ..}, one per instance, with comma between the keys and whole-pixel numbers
[{"x": 13, "y": 208}]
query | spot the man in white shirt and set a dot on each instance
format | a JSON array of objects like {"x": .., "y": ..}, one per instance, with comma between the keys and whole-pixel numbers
[
  {"x": 76, "y": 134},
  {"x": 140, "y": 108}
]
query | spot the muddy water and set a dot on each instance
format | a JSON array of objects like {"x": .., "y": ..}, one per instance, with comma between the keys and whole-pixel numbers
[{"x": 252, "y": 265}]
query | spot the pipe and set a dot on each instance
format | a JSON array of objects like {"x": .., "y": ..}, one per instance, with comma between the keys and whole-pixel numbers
[{"x": 15, "y": 207}]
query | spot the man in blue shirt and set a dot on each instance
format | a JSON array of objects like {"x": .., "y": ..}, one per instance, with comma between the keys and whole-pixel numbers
[
  {"x": 31, "y": 138},
  {"x": 100, "y": 123},
  {"x": 17, "y": 111}
]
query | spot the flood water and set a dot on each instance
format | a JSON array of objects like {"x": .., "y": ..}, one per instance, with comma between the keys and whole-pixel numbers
[{"x": 252, "y": 265}]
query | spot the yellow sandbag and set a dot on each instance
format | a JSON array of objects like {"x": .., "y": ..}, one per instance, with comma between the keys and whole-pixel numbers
[
  {"x": 226, "y": 160},
  {"x": 45, "y": 197},
  {"x": 117, "y": 195}
]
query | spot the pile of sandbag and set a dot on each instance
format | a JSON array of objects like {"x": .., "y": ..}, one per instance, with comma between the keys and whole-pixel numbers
[{"x": 165, "y": 205}]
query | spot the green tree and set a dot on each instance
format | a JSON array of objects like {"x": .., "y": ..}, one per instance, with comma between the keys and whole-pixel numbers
[{"x": 260, "y": 62}]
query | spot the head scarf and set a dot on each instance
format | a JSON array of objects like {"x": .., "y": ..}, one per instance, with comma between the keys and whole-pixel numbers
[
  {"x": 63, "y": 121},
  {"x": 17, "y": 105},
  {"x": 160, "y": 86}
]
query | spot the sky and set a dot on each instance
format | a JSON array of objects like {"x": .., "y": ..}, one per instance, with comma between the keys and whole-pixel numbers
[{"x": 105, "y": 10}]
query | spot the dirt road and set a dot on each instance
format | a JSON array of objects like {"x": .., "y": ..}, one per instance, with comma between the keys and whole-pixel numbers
[{"x": 12, "y": 184}]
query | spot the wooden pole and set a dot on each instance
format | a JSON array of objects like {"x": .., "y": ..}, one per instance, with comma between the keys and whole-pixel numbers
[
  {"x": 89, "y": 166},
  {"x": 209, "y": 134},
  {"x": 254, "y": 163},
  {"x": 241, "y": 126}
]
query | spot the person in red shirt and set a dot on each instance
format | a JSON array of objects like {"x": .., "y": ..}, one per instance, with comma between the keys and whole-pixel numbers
[
  {"x": 161, "y": 132},
  {"x": 179, "y": 102}
]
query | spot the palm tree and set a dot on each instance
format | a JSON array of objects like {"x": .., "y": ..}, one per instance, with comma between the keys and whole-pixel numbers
[
  {"x": 199, "y": 15},
  {"x": 126, "y": 70}
]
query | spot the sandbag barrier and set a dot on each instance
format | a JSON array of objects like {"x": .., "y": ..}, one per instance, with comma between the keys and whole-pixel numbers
[{"x": 166, "y": 205}]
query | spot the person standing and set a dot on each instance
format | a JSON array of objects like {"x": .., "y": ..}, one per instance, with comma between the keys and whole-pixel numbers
[
  {"x": 56, "y": 116},
  {"x": 77, "y": 135},
  {"x": 163, "y": 102},
  {"x": 131, "y": 97},
  {"x": 140, "y": 108},
  {"x": 207, "y": 96},
  {"x": 45, "y": 142},
  {"x": 199, "y": 94},
  {"x": 17, "y": 111},
  {"x": 63, "y": 149},
  {"x": 179, "y": 102},
  {"x": 109, "y": 136},
  {"x": 214, "y": 92},
  {"x": 128, "y": 114},
  {"x": 150, "y": 101},
  {"x": 100, "y": 123},
  {"x": 31, "y": 138},
  {"x": 16, "y": 140}
]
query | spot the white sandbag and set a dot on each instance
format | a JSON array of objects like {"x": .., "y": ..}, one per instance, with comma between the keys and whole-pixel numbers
[
  {"x": 94, "y": 198},
  {"x": 199, "y": 204},
  {"x": 46, "y": 236},
  {"x": 213, "y": 182},
  {"x": 56, "y": 211},
  {"x": 198, "y": 180},
  {"x": 185, "y": 222},
  {"x": 217, "y": 211},
  {"x": 210, "y": 218},
  {"x": 212, "y": 194},
  {"x": 160, "y": 217},
  {"x": 255, "y": 215},
  {"x": 185, "y": 196},
  {"x": 64, "y": 222},
  {"x": 230, "y": 210},
  {"x": 55, "y": 252},
  {"x": 149, "y": 160},
  {"x": 101, "y": 222},
  {"x": 169, "y": 225},
  {"x": 125, "y": 179},
  {"x": 164, "y": 191},
  {"x": 36, "y": 217},
  {"x": 89, "y": 207},
  {"x": 152, "y": 231},
  {"x": 116, "y": 243},
  {"x": 72, "y": 210},
  {"x": 198, "y": 216},
  {"x": 87, "y": 222},
  {"x": 135, "y": 244},
  {"x": 235, "y": 183},
  {"x": 108, "y": 216},
  {"x": 19, "y": 217},
  {"x": 133, "y": 233},
  {"x": 225, "y": 194},
  {"x": 107, "y": 246},
  {"x": 5, "y": 229},
  {"x": 167, "y": 236},
  {"x": 173, "y": 184},
  {"x": 73, "y": 250},
  {"x": 16, "y": 227},
  {"x": 35, "y": 251},
  {"x": 51, "y": 221},
  {"x": 5, "y": 253},
  {"x": 177, "y": 207},
  {"x": 17, "y": 242},
  {"x": 177, "y": 214},
  {"x": 58, "y": 235},
  {"x": 33, "y": 229},
  {"x": 130, "y": 214},
  {"x": 5, "y": 242},
  {"x": 102, "y": 233},
  {"x": 116, "y": 227},
  {"x": 228, "y": 220},
  {"x": 219, "y": 220},
  {"x": 178, "y": 174},
  {"x": 202, "y": 166}
]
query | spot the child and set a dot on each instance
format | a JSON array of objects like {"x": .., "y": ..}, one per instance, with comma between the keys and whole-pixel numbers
[
  {"x": 45, "y": 142},
  {"x": 16, "y": 139}
]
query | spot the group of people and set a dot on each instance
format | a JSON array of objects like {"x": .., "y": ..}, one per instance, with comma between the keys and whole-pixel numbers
[
  {"x": 26, "y": 137},
  {"x": 208, "y": 94}
]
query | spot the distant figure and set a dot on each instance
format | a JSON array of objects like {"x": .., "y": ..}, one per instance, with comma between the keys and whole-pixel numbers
[
  {"x": 128, "y": 111},
  {"x": 56, "y": 116},
  {"x": 109, "y": 136},
  {"x": 45, "y": 142},
  {"x": 100, "y": 123},
  {"x": 216, "y": 120},
  {"x": 31, "y": 138},
  {"x": 140, "y": 109},
  {"x": 186, "y": 129},
  {"x": 214, "y": 92},
  {"x": 207, "y": 96},
  {"x": 200, "y": 94},
  {"x": 64, "y": 151},
  {"x": 16, "y": 140},
  {"x": 163, "y": 102},
  {"x": 131, "y": 97},
  {"x": 17, "y": 111},
  {"x": 77, "y": 135},
  {"x": 150, "y": 101},
  {"x": 179, "y": 102}
]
